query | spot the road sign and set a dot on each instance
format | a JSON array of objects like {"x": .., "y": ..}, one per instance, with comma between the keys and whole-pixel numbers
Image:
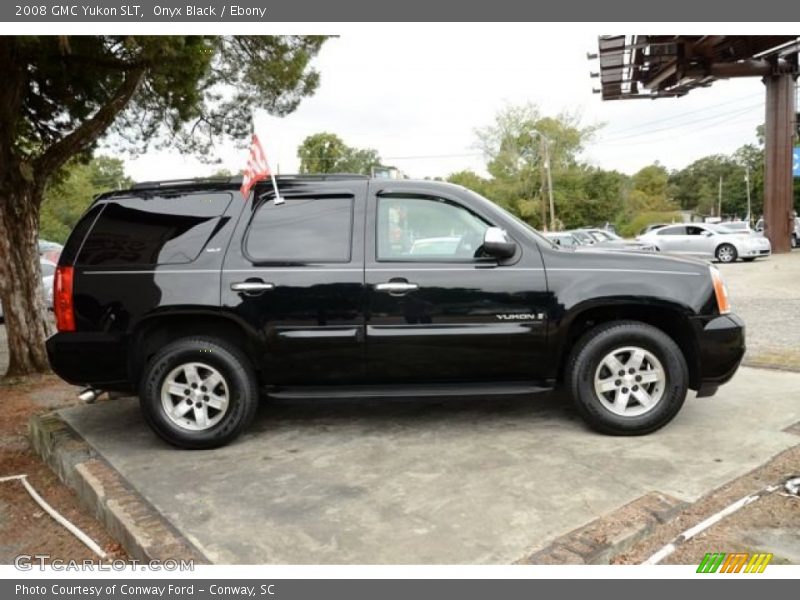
[{"x": 796, "y": 162}]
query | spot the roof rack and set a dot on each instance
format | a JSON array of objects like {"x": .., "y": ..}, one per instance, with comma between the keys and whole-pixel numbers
[
  {"x": 148, "y": 185},
  {"x": 237, "y": 180}
]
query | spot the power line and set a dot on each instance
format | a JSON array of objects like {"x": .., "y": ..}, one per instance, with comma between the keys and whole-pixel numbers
[
  {"x": 686, "y": 114},
  {"x": 727, "y": 120},
  {"x": 724, "y": 115}
]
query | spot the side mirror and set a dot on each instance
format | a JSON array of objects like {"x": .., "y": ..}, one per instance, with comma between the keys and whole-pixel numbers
[
  {"x": 707, "y": 233},
  {"x": 497, "y": 244}
]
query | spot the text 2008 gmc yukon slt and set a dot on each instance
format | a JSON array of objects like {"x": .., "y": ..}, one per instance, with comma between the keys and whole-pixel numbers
[{"x": 198, "y": 299}]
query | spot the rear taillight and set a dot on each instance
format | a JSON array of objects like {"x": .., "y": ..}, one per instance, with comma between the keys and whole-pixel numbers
[{"x": 62, "y": 299}]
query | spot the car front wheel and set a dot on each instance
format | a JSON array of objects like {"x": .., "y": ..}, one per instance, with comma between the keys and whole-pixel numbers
[
  {"x": 627, "y": 378},
  {"x": 726, "y": 253},
  {"x": 199, "y": 392}
]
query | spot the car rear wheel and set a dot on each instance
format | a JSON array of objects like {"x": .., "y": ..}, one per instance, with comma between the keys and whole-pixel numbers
[
  {"x": 726, "y": 253},
  {"x": 199, "y": 392},
  {"x": 627, "y": 378}
]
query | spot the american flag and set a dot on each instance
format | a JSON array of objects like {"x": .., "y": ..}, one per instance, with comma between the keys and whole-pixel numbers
[{"x": 257, "y": 169}]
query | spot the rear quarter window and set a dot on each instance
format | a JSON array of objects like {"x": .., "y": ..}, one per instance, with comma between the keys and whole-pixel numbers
[{"x": 153, "y": 229}]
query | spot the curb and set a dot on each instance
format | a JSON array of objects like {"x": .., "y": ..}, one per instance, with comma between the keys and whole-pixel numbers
[
  {"x": 135, "y": 523},
  {"x": 598, "y": 542}
]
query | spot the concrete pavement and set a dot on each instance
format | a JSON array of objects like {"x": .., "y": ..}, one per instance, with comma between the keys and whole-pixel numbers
[{"x": 479, "y": 480}]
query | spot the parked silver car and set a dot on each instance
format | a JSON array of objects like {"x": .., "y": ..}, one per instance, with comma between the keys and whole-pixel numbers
[
  {"x": 48, "y": 273},
  {"x": 708, "y": 241},
  {"x": 608, "y": 240}
]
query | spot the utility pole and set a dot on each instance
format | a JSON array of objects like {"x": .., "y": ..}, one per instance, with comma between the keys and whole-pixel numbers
[
  {"x": 549, "y": 184},
  {"x": 541, "y": 185},
  {"x": 719, "y": 200},
  {"x": 747, "y": 183}
]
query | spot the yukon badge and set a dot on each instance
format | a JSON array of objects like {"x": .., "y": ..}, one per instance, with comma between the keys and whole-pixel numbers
[{"x": 521, "y": 317}]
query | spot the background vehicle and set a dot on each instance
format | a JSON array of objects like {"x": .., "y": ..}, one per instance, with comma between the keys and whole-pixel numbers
[
  {"x": 198, "y": 299},
  {"x": 708, "y": 241},
  {"x": 564, "y": 238},
  {"x": 611, "y": 241},
  {"x": 48, "y": 271},
  {"x": 795, "y": 236},
  {"x": 50, "y": 250},
  {"x": 652, "y": 227}
]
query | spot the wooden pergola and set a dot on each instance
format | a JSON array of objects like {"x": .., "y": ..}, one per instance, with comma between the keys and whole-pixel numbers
[{"x": 663, "y": 66}]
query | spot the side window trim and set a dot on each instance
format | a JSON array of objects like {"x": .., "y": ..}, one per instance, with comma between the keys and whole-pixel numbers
[{"x": 256, "y": 261}]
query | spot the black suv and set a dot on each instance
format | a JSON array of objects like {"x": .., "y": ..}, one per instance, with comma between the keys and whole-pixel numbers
[{"x": 199, "y": 300}]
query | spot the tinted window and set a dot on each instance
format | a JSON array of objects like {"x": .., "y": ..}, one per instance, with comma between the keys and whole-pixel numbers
[
  {"x": 680, "y": 230},
  {"x": 153, "y": 230},
  {"x": 301, "y": 230},
  {"x": 420, "y": 229},
  {"x": 694, "y": 230}
]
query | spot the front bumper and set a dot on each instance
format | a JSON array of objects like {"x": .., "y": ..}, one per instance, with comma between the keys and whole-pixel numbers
[
  {"x": 89, "y": 359},
  {"x": 720, "y": 348}
]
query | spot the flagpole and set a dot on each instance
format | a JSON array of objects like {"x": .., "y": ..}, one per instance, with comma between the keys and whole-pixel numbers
[{"x": 278, "y": 199}]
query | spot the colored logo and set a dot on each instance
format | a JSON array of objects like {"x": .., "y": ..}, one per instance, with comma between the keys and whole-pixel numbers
[{"x": 738, "y": 562}]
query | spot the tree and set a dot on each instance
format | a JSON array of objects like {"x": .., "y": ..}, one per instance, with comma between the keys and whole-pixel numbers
[
  {"x": 327, "y": 153},
  {"x": 73, "y": 189},
  {"x": 514, "y": 147},
  {"x": 470, "y": 180},
  {"x": 62, "y": 94}
]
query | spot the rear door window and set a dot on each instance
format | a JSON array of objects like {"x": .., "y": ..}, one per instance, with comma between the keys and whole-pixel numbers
[
  {"x": 151, "y": 230},
  {"x": 301, "y": 230},
  {"x": 679, "y": 230}
]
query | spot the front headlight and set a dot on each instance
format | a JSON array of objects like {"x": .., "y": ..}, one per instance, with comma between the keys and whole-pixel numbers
[{"x": 720, "y": 291}]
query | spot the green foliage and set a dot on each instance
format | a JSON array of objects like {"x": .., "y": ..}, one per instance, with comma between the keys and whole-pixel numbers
[
  {"x": 327, "y": 153},
  {"x": 470, "y": 180},
  {"x": 517, "y": 146},
  {"x": 72, "y": 192},
  {"x": 633, "y": 226},
  {"x": 191, "y": 91}
]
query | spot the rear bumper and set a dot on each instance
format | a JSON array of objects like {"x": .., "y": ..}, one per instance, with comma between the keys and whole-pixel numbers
[
  {"x": 89, "y": 359},
  {"x": 721, "y": 346}
]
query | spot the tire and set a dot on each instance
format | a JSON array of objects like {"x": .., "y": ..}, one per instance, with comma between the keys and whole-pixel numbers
[
  {"x": 209, "y": 417},
  {"x": 587, "y": 364},
  {"x": 726, "y": 253}
]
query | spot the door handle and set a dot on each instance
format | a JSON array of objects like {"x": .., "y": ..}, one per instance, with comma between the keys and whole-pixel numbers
[
  {"x": 252, "y": 286},
  {"x": 396, "y": 287}
]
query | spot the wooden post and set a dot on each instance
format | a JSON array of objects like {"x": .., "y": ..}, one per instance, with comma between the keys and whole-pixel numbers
[{"x": 778, "y": 181}]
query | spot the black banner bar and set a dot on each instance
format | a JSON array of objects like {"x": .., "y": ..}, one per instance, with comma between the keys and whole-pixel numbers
[
  {"x": 263, "y": 11},
  {"x": 706, "y": 586}
]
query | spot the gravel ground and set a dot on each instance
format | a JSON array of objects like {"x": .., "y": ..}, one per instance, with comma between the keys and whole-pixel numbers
[{"x": 766, "y": 294}]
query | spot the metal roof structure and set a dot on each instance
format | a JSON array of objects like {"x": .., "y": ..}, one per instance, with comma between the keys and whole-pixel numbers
[{"x": 658, "y": 66}]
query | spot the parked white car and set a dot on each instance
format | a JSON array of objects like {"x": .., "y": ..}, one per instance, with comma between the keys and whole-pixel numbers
[
  {"x": 708, "y": 241},
  {"x": 48, "y": 274}
]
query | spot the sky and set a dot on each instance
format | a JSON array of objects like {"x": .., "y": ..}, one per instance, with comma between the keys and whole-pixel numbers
[{"x": 417, "y": 93}]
